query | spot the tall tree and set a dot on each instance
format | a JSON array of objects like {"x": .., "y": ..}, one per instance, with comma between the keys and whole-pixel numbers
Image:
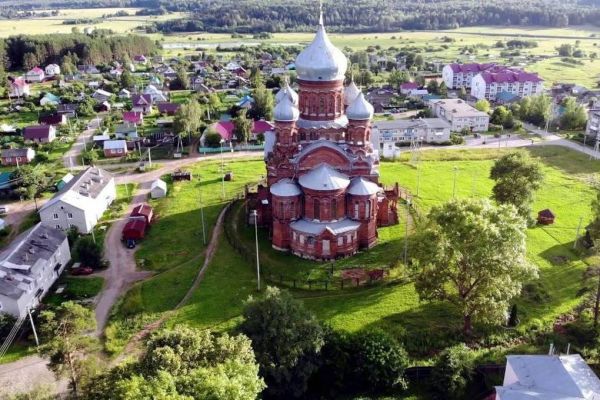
[
  {"x": 472, "y": 255},
  {"x": 574, "y": 115},
  {"x": 517, "y": 177},
  {"x": 184, "y": 363},
  {"x": 242, "y": 127},
  {"x": 286, "y": 339},
  {"x": 263, "y": 103},
  {"x": 188, "y": 119},
  {"x": 66, "y": 342},
  {"x": 483, "y": 105}
]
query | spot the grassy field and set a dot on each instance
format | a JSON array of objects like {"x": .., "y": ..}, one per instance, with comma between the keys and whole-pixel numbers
[{"x": 396, "y": 307}]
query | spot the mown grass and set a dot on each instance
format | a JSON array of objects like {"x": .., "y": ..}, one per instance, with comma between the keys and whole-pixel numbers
[
  {"x": 396, "y": 308},
  {"x": 76, "y": 288}
]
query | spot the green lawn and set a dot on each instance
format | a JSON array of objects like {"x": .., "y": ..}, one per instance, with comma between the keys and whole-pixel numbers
[
  {"x": 396, "y": 307},
  {"x": 76, "y": 288}
]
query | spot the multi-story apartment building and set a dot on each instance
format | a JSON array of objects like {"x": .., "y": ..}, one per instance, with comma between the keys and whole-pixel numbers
[
  {"x": 387, "y": 135},
  {"x": 457, "y": 76},
  {"x": 460, "y": 115},
  {"x": 29, "y": 266},
  {"x": 488, "y": 84}
]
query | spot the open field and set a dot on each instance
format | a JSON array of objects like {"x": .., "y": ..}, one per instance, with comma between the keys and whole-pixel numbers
[{"x": 48, "y": 25}]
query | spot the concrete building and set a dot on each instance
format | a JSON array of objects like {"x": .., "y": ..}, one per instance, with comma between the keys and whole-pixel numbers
[
  {"x": 323, "y": 199},
  {"x": 489, "y": 84},
  {"x": 29, "y": 266},
  {"x": 81, "y": 202},
  {"x": 593, "y": 124},
  {"x": 457, "y": 76},
  {"x": 388, "y": 135},
  {"x": 460, "y": 115},
  {"x": 548, "y": 377}
]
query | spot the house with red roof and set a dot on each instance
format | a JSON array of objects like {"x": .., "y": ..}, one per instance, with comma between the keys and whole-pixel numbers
[
  {"x": 408, "y": 87},
  {"x": 167, "y": 108},
  {"x": 488, "y": 84},
  {"x": 225, "y": 129},
  {"x": 35, "y": 75},
  {"x": 457, "y": 76},
  {"x": 142, "y": 103},
  {"x": 133, "y": 117},
  {"x": 19, "y": 87},
  {"x": 40, "y": 133}
]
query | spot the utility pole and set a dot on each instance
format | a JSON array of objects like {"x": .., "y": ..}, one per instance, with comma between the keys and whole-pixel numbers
[
  {"x": 406, "y": 232},
  {"x": 455, "y": 168},
  {"x": 255, "y": 213},
  {"x": 202, "y": 214},
  {"x": 577, "y": 234},
  {"x": 37, "y": 341}
]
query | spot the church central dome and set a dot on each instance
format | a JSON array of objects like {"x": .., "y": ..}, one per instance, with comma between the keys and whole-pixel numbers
[{"x": 321, "y": 60}]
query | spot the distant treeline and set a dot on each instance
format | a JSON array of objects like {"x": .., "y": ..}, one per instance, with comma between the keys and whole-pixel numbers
[
  {"x": 25, "y": 52},
  {"x": 251, "y": 16}
]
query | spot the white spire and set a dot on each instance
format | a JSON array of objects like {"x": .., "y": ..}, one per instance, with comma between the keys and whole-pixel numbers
[{"x": 321, "y": 13}]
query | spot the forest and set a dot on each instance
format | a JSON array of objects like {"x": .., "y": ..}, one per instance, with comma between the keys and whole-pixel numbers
[
  {"x": 251, "y": 16},
  {"x": 25, "y": 52}
]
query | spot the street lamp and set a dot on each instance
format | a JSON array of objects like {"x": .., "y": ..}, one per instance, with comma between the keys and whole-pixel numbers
[{"x": 255, "y": 214}]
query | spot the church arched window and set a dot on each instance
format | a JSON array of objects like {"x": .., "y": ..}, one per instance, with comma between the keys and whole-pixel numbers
[{"x": 316, "y": 209}]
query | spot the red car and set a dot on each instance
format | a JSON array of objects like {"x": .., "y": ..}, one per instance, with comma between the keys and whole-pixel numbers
[{"x": 82, "y": 271}]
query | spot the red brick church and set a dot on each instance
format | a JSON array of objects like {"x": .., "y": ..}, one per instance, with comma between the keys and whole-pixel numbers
[{"x": 323, "y": 199}]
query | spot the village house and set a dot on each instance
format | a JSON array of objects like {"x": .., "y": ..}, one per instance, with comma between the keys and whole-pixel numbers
[
  {"x": 166, "y": 108},
  {"x": 52, "y": 70},
  {"x": 124, "y": 94},
  {"x": 225, "y": 130},
  {"x": 565, "y": 377},
  {"x": 40, "y": 133},
  {"x": 140, "y": 59},
  {"x": 133, "y": 117},
  {"x": 460, "y": 115},
  {"x": 156, "y": 94},
  {"x": 17, "y": 156},
  {"x": 488, "y": 84},
  {"x": 115, "y": 148},
  {"x": 101, "y": 95},
  {"x": 53, "y": 119},
  {"x": 88, "y": 69},
  {"x": 388, "y": 135},
  {"x": 68, "y": 109},
  {"x": 126, "y": 131},
  {"x": 407, "y": 87},
  {"x": 50, "y": 99},
  {"x": 29, "y": 266},
  {"x": 142, "y": 103},
  {"x": 35, "y": 75},
  {"x": 81, "y": 202},
  {"x": 19, "y": 87}
]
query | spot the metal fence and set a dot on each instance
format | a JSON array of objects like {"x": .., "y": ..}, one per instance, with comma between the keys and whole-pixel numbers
[{"x": 241, "y": 147}]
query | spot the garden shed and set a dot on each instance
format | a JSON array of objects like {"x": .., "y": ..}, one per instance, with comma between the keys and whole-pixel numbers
[
  {"x": 545, "y": 217},
  {"x": 158, "y": 189}
]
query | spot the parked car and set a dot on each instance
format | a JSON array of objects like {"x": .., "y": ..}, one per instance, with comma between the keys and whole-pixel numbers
[
  {"x": 3, "y": 210},
  {"x": 82, "y": 271},
  {"x": 130, "y": 243}
]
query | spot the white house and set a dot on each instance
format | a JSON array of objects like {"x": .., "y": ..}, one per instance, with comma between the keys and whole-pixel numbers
[
  {"x": 29, "y": 266},
  {"x": 35, "y": 75},
  {"x": 489, "y": 84},
  {"x": 101, "y": 95},
  {"x": 158, "y": 189},
  {"x": 460, "y": 115},
  {"x": 156, "y": 94},
  {"x": 81, "y": 202},
  {"x": 388, "y": 135},
  {"x": 115, "y": 148},
  {"x": 593, "y": 124},
  {"x": 548, "y": 377},
  {"x": 52, "y": 70},
  {"x": 19, "y": 87}
]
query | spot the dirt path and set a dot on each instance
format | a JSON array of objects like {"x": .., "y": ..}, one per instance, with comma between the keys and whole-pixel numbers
[
  {"x": 22, "y": 375},
  {"x": 208, "y": 256}
]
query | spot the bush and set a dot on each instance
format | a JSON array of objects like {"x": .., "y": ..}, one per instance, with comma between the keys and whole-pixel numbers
[
  {"x": 378, "y": 361},
  {"x": 456, "y": 139},
  {"x": 90, "y": 253},
  {"x": 452, "y": 372},
  {"x": 212, "y": 139}
]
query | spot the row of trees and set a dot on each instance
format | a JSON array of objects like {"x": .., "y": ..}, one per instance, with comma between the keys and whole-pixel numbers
[
  {"x": 372, "y": 16},
  {"x": 68, "y": 50}
]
